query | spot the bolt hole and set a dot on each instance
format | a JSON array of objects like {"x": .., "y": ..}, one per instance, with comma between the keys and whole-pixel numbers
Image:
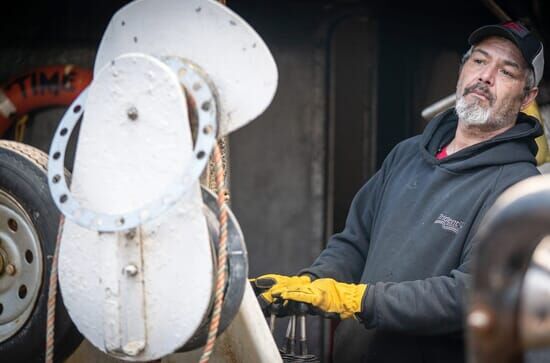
[
  {"x": 22, "y": 291},
  {"x": 12, "y": 223},
  {"x": 29, "y": 257},
  {"x": 207, "y": 129},
  {"x": 196, "y": 86},
  {"x": 56, "y": 155},
  {"x": 77, "y": 108},
  {"x": 135, "y": 39},
  {"x": 121, "y": 221},
  {"x": 56, "y": 178},
  {"x": 205, "y": 106},
  {"x": 63, "y": 198},
  {"x": 1, "y": 309},
  {"x": 200, "y": 154},
  {"x": 63, "y": 131},
  {"x": 123, "y": 23}
]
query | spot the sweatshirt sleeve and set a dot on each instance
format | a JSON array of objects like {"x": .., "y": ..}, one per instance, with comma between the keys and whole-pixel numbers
[
  {"x": 434, "y": 305},
  {"x": 344, "y": 257},
  {"x": 430, "y": 306}
]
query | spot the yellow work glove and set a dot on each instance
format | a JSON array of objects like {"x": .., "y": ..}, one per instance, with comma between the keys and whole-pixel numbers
[
  {"x": 267, "y": 283},
  {"x": 327, "y": 295}
]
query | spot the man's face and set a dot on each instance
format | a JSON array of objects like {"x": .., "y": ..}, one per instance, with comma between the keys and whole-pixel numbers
[{"x": 490, "y": 88}]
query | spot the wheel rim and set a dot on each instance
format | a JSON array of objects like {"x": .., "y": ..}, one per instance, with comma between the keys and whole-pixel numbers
[{"x": 21, "y": 266}]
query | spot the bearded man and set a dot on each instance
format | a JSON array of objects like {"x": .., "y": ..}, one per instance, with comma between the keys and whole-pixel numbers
[{"x": 401, "y": 265}]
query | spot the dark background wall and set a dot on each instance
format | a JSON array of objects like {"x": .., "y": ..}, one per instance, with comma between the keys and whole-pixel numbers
[
  {"x": 353, "y": 80},
  {"x": 354, "y": 76}
]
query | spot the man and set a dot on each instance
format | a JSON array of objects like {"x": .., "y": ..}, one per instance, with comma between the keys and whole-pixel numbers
[{"x": 400, "y": 267}]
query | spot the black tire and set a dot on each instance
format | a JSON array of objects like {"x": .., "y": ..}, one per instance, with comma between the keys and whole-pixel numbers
[{"x": 23, "y": 176}]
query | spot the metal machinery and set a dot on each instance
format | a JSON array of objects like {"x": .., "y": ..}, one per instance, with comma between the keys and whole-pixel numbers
[
  {"x": 138, "y": 246},
  {"x": 509, "y": 307},
  {"x": 136, "y": 265}
]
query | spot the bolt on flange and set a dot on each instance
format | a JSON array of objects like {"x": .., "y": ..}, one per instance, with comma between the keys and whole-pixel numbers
[
  {"x": 132, "y": 113},
  {"x": 131, "y": 270}
]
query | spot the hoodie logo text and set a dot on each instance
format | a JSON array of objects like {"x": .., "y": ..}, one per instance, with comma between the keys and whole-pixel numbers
[{"x": 448, "y": 223}]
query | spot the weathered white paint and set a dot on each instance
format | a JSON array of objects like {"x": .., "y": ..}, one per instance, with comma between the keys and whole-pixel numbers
[
  {"x": 147, "y": 294},
  {"x": 120, "y": 165},
  {"x": 209, "y": 34},
  {"x": 138, "y": 159},
  {"x": 246, "y": 340},
  {"x": 202, "y": 94}
]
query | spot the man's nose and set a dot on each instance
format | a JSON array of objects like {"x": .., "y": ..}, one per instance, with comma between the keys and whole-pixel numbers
[{"x": 487, "y": 75}]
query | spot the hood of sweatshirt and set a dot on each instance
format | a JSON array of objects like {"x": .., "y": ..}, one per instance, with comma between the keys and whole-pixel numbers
[{"x": 514, "y": 145}]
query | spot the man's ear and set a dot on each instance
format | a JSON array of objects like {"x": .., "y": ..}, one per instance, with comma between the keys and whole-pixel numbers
[{"x": 529, "y": 97}]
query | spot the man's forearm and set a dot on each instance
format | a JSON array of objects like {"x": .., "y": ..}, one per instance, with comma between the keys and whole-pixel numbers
[{"x": 431, "y": 306}]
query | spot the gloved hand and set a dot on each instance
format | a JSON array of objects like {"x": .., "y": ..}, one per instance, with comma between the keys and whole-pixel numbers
[
  {"x": 327, "y": 295},
  {"x": 266, "y": 283}
]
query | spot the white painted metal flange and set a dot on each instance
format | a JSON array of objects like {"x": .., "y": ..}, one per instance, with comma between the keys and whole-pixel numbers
[
  {"x": 207, "y": 33},
  {"x": 141, "y": 294},
  {"x": 122, "y": 109}
]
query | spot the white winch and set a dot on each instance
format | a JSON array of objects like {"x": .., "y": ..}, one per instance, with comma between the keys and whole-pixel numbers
[{"x": 136, "y": 263}]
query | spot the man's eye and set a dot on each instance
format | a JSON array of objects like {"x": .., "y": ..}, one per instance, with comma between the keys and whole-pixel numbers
[
  {"x": 507, "y": 73},
  {"x": 478, "y": 61}
]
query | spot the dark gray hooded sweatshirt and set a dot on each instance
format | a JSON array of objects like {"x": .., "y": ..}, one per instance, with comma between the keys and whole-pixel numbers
[{"x": 409, "y": 236}]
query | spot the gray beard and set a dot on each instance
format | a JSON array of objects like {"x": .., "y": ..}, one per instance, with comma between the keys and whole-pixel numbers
[{"x": 472, "y": 114}]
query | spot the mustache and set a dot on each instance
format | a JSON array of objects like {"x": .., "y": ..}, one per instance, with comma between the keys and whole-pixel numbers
[{"x": 480, "y": 88}]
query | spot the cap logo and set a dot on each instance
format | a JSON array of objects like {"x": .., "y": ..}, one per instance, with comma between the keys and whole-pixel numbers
[{"x": 518, "y": 29}]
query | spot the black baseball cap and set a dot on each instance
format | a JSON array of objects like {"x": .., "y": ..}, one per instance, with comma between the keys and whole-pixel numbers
[{"x": 529, "y": 45}]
